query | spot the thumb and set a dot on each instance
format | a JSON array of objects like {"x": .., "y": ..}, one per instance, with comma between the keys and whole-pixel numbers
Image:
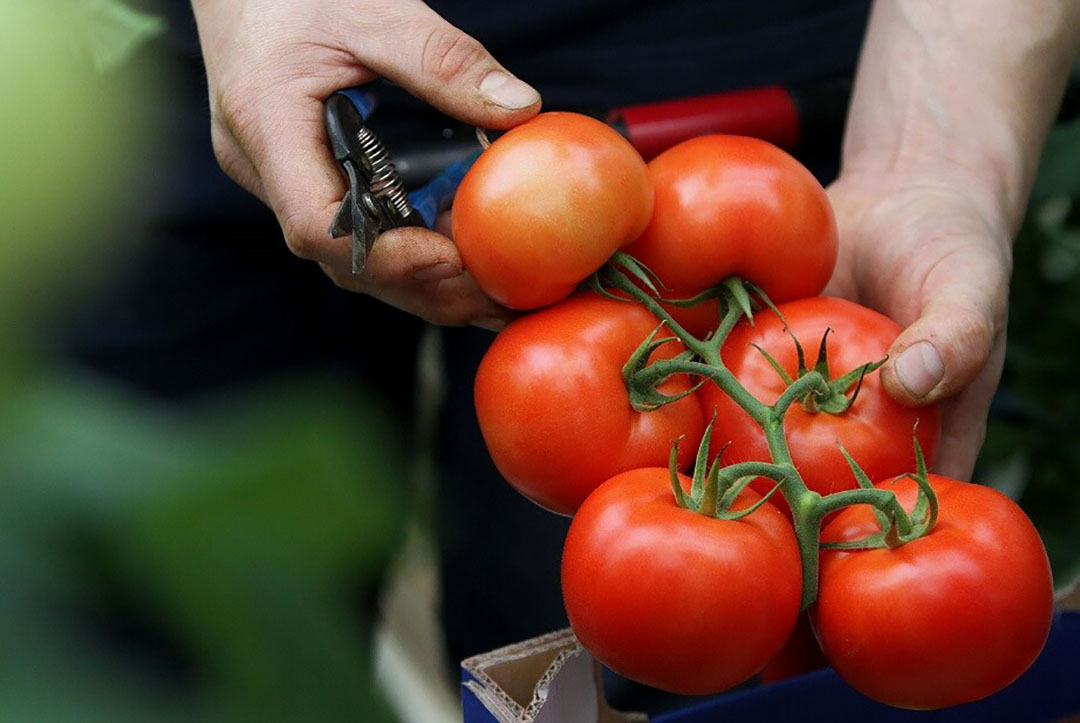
[
  {"x": 447, "y": 68},
  {"x": 947, "y": 347}
]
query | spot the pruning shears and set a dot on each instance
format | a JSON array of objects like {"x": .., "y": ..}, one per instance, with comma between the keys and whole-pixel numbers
[{"x": 377, "y": 200}]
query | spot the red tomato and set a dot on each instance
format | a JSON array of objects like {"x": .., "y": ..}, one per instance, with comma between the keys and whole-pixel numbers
[
  {"x": 546, "y": 205},
  {"x": 800, "y": 654},
  {"x": 554, "y": 409},
  {"x": 946, "y": 619},
  {"x": 727, "y": 205},
  {"x": 674, "y": 599},
  {"x": 876, "y": 430}
]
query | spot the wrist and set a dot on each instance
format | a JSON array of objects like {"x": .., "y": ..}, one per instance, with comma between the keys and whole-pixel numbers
[{"x": 992, "y": 186}]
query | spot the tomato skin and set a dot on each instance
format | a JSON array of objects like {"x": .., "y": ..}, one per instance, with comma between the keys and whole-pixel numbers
[
  {"x": 800, "y": 654},
  {"x": 548, "y": 204},
  {"x": 876, "y": 430},
  {"x": 949, "y": 618},
  {"x": 554, "y": 409},
  {"x": 674, "y": 599},
  {"x": 727, "y": 205}
]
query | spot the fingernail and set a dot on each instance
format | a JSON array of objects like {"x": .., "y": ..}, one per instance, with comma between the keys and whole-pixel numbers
[
  {"x": 436, "y": 272},
  {"x": 920, "y": 368},
  {"x": 506, "y": 91}
]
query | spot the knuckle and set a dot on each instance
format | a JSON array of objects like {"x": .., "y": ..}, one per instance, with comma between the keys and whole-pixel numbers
[
  {"x": 234, "y": 113},
  {"x": 343, "y": 280},
  {"x": 226, "y": 152},
  {"x": 297, "y": 237},
  {"x": 976, "y": 332},
  {"x": 448, "y": 54}
]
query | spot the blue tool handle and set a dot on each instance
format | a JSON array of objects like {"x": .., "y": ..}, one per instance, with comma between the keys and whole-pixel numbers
[
  {"x": 362, "y": 99},
  {"x": 436, "y": 194}
]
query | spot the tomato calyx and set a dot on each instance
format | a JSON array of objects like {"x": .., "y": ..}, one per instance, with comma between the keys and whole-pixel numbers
[
  {"x": 646, "y": 397},
  {"x": 714, "y": 488},
  {"x": 831, "y": 395},
  {"x": 897, "y": 527}
]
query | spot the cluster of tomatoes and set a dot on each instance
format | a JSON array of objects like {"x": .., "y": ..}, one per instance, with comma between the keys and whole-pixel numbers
[{"x": 662, "y": 593}]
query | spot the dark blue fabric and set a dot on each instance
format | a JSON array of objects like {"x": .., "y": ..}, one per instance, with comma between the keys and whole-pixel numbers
[{"x": 602, "y": 53}]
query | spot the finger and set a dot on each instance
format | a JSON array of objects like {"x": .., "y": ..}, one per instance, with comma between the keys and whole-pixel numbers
[
  {"x": 421, "y": 272},
  {"x": 400, "y": 256},
  {"x": 287, "y": 144},
  {"x": 448, "y": 302},
  {"x": 412, "y": 254},
  {"x": 964, "y": 419},
  {"x": 440, "y": 64},
  {"x": 962, "y": 315},
  {"x": 234, "y": 161}
]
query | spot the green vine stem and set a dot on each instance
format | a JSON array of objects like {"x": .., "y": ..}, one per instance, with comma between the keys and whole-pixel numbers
[{"x": 723, "y": 484}]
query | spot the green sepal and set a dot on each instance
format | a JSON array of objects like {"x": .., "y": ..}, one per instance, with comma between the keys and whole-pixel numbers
[
  {"x": 821, "y": 366},
  {"x": 713, "y": 292},
  {"x": 639, "y": 359},
  {"x": 732, "y": 516},
  {"x": 925, "y": 513},
  {"x": 597, "y": 285},
  {"x": 774, "y": 364},
  {"x": 652, "y": 400},
  {"x": 760, "y": 294},
  {"x": 737, "y": 288},
  {"x": 639, "y": 271},
  {"x": 673, "y": 471},
  {"x": 701, "y": 461},
  {"x": 837, "y": 402},
  {"x": 803, "y": 371},
  {"x": 844, "y": 383},
  {"x": 732, "y": 490},
  {"x": 875, "y": 541},
  {"x": 863, "y": 481},
  {"x": 709, "y": 503}
]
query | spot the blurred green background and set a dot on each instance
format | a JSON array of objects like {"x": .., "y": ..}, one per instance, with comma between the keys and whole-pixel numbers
[
  {"x": 215, "y": 561},
  {"x": 220, "y": 561}
]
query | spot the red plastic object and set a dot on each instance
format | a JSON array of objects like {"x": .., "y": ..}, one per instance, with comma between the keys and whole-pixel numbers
[{"x": 767, "y": 113}]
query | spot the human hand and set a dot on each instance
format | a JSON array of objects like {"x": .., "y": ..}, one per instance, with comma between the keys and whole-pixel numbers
[
  {"x": 935, "y": 257},
  {"x": 950, "y": 109},
  {"x": 270, "y": 67}
]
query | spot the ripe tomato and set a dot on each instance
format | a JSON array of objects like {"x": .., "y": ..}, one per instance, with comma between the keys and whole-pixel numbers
[
  {"x": 554, "y": 409},
  {"x": 727, "y": 205},
  {"x": 546, "y": 205},
  {"x": 674, "y": 599},
  {"x": 800, "y": 654},
  {"x": 949, "y": 618},
  {"x": 876, "y": 430}
]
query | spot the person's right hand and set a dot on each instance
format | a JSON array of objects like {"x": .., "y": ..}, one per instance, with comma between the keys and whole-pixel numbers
[{"x": 271, "y": 65}]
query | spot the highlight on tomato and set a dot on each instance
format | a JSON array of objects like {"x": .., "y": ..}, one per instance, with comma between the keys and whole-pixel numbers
[
  {"x": 730, "y": 205},
  {"x": 673, "y": 598},
  {"x": 875, "y": 429},
  {"x": 546, "y": 205},
  {"x": 553, "y": 406},
  {"x": 951, "y": 617}
]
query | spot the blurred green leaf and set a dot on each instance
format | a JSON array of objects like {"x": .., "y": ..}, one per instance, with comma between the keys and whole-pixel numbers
[{"x": 248, "y": 536}]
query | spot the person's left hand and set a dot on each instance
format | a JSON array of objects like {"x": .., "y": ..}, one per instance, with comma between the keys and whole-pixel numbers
[{"x": 936, "y": 258}]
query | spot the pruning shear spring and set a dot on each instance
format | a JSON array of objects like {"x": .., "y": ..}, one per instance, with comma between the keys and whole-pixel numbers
[{"x": 377, "y": 200}]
